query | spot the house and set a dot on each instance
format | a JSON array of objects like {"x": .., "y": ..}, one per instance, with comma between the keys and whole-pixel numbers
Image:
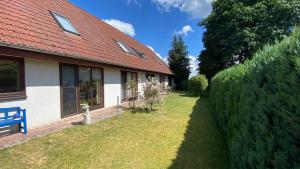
[{"x": 55, "y": 56}]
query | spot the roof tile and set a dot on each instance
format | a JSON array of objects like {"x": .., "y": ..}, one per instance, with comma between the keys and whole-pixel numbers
[{"x": 29, "y": 23}]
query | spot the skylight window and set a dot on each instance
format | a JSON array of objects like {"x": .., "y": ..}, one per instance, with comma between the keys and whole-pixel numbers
[
  {"x": 64, "y": 23},
  {"x": 126, "y": 48},
  {"x": 123, "y": 46},
  {"x": 140, "y": 54}
]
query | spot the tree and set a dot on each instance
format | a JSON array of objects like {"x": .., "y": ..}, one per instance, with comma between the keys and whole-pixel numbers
[
  {"x": 235, "y": 30},
  {"x": 178, "y": 61}
]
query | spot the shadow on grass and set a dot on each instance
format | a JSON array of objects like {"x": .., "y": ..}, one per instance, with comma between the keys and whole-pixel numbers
[
  {"x": 203, "y": 146},
  {"x": 185, "y": 94}
]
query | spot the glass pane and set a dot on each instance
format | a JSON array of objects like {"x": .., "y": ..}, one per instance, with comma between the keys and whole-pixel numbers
[
  {"x": 123, "y": 87},
  {"x": 96, "y": 86},
  {"x": 85, "y": 91},
  {"x": 65, "y": 23},
  {"x": 9, "y": 76},
  {"x": 69, "y": 90},
  {"x": 68, "y": 76},
  {"x": 69, "y": 101},
  {"x": 134, "y": 76},
  {"x": 123, "y": 47}
]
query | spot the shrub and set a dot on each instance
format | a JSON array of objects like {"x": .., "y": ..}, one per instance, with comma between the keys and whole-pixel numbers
[
  {"x": 257, "y": 107},
  {"x": 132, "y": 88},
  {"x": 152, "y": 93},
  {"x": 198, "y": 85}
]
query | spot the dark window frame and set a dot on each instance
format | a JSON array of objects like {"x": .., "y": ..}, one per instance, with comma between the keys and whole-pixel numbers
[
  {"x": 97, "y": 106},
  {"x": 92, "y": 107},
  {"x": 22, "y": 93}
]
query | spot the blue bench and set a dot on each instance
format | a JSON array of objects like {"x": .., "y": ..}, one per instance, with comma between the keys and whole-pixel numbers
[{"x": 13, "y": 116}]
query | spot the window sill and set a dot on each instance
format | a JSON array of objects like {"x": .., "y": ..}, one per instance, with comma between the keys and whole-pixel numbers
[{"x": 12, "y": 96}]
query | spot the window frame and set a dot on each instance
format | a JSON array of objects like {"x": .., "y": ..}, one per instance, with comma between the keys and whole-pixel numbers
[
  {"x": 162, "y": 78},
  {"x": 22, "y": 92},
  {"x": 54, "y": 14},
  {"x": 124, "y": 85},
  {"x": 126, "y": 48},
  {"x": 123, "y": 47},
  {"x": 92, "y": 107}
]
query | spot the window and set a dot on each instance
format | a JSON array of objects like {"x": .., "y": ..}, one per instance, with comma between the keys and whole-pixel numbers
[
  {"x": 162, "y": 78},
  {"x": 64, "y": 23},
  {"x": 80, "y": 85},
  {"x": 126, "y": 48},
  {"x": 125, "y": 78},
  {"x": 149, "y": 75},
  {"x": 90, "y": 85},
  {"x": 140, "y": 54},
  {"x": 123, "y": 46},
  {"x": 11, "y": 78}
]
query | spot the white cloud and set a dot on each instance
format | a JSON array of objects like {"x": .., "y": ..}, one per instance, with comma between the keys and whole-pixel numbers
[
  {"x": 195, "y": 8},
  {"x": 126, "y": 28},
  {"x": 193, "y": 65},
  {"x": 185, "y": 30}
]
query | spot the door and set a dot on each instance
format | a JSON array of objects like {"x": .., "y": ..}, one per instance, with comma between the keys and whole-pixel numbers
[
  {"x": 90, "y": 83},
  {"x": 69, "y": 90}
]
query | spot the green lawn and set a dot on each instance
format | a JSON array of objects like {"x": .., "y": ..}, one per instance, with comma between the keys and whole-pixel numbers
[{"x": 180, "y": 134}]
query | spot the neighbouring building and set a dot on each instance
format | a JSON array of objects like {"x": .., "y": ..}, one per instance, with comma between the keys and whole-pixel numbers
[{"x": 55, "y": 56}]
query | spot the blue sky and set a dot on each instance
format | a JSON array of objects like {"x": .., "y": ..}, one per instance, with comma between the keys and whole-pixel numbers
[{"x": 154, "y": 22}]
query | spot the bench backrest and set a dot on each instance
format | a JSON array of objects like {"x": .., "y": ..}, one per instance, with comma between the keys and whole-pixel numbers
[{"x": 8, "y": 113}]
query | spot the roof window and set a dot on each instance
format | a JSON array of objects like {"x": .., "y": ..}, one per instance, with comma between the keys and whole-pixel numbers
[
  {"x": 126, "y": 48},
  {"x": 64, "y": 23},
  {"x": 140, "y": 54},
  {"x": 123, "y": 46}
]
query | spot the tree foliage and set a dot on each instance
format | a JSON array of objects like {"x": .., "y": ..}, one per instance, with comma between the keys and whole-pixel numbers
[
  {"x": 179, "y": 61},
  {"x": 236, "y": 29},
  {"x": 257, "y": 107}
]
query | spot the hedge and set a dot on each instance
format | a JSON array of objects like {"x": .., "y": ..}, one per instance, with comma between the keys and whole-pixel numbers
[
  {"x": 197, "y": 85},
  {"x": 257, "y": 106}
]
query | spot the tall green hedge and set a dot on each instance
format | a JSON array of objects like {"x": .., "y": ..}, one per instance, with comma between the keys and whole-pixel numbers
[{"x": 257, "y": 106}]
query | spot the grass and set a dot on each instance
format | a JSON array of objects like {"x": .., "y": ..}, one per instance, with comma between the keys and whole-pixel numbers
[{"x": 181, "y": 134}]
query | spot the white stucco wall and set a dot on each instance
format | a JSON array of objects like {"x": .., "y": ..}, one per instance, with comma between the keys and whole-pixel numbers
[
  {"x": 43, "y": 93},
  {"x": 112, "y": 86}
]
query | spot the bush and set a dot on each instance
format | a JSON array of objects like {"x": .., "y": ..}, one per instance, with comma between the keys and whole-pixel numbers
[
  {"x": 133, "y": 93},
  {"x": 198, "y": 85},
  {"x": 257, "y": 107},
  {"x": 152, "y": 93}
]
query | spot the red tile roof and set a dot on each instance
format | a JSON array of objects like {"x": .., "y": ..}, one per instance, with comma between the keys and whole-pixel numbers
[{"x": 29, "y": 24}]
